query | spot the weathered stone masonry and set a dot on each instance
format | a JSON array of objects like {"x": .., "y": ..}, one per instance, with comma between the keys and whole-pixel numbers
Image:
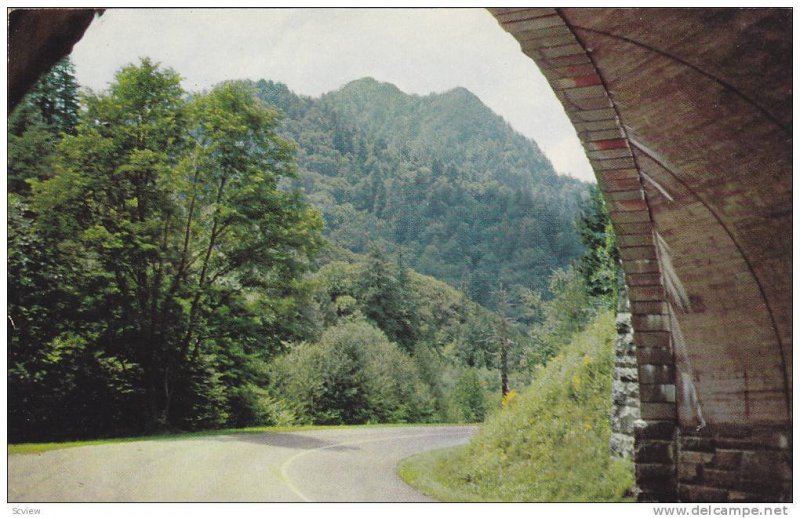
[
  {"x": 686, "y": 116},
  {"x": 626, "y": 410}
]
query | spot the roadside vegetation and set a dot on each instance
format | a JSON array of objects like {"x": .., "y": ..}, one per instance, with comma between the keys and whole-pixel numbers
[{"x": 548, "y": 444}]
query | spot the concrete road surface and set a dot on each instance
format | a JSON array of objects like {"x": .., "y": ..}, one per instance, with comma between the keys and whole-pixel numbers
[{"x": 335, "y": 465}]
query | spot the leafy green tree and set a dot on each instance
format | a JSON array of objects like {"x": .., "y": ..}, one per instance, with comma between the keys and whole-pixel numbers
[
  {"x": 476, "y": 343},
  {"x": 57, "y": 383},
  {"x": 185, "y": 255},
  {"x": 567, "y": 313},
  {"x": 335, "y": 284},
  {"x": 106, "y": 209}
]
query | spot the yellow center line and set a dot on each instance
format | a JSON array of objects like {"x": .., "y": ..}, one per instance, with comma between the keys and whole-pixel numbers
[{"x": 290, "y": 460}]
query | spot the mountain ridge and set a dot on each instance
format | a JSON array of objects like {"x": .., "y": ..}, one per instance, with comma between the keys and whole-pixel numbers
[
  {"x": 440, "y": 177},
  {"x": 431, "y": 114}
]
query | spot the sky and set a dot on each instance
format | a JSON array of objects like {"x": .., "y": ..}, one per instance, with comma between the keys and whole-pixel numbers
[{"x": 314, "y": 51}]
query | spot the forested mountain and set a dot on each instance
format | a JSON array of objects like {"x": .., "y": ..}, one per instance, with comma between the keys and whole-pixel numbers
[
  {"x": 466, "y": 198},
  {"x": 166, "y": 271}
]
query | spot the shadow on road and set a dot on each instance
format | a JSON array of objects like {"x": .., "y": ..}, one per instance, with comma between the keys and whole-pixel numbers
[{"x": 285, "y": 440}]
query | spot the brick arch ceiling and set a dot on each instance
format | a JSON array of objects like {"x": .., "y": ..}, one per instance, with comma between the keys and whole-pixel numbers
[{"x": 686, "y": 117}]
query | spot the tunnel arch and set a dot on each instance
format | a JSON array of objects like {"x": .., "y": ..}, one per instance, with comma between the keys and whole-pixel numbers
[{"x": 686, "y": 118}]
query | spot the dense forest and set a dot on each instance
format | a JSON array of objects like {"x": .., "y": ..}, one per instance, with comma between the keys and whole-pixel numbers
[
  {"x": 467, "y": 199},
  {"x": 245, "y": 256}
]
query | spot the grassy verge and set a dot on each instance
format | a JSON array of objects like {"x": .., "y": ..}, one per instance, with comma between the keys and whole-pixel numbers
[
  {"x": 431, "y": 473},
  {"x": 40, "y": 447},
  {"x": 550, "y": 444}
]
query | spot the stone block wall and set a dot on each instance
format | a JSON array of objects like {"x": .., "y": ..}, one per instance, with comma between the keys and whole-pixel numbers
[
  {"x": 655, "y": 458},
  {"x": 734, "y": 464},
  {"x": 625, "y": 388}
]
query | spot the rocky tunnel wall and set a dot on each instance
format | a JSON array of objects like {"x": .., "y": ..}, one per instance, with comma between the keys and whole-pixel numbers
[{"x": 686, "y": 117}]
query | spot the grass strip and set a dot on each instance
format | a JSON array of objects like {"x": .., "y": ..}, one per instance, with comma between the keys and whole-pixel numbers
[{"x": 429, "y": 472}]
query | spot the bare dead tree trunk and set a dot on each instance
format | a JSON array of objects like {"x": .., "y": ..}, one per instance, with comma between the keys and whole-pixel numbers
[{"x": 502, "y": 307}]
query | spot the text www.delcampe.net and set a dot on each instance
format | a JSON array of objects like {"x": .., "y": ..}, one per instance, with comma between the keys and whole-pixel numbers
[{"x": 721, "y": 510}]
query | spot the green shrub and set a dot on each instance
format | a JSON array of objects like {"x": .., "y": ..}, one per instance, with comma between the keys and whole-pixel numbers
[
  {"x": 256, "y": 407},
  {"x": 352, "y": 375}
]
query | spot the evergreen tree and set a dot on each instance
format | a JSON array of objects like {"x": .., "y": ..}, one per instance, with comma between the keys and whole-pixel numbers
[
  {"x": 36, "y": 126},
  {"x": 56, "y": 97},
  {"x": 40, "y": 288},
  {"x": 599, "y": 264},
  {"x": 385, "y": 297},
  {"x": 503, "y": 308},
  {"x": 31, "y": 145},
  {"x": 469, "y": 397}
]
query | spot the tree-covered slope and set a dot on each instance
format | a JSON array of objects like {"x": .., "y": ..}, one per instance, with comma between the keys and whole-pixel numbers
[
  {"x": 166, "y": 273},
  {"x": 469, "y": 200},
  {"x": 387, "y": 344},
  {"x": 454, "y": 127}
]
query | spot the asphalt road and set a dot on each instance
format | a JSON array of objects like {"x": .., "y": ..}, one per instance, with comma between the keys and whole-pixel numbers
[{"x": 334, "y": 465}]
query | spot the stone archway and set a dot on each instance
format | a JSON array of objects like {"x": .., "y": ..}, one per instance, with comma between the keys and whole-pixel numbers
[
  {"x": 686, "y": 117},
  {"x": 37, "y": 40}
]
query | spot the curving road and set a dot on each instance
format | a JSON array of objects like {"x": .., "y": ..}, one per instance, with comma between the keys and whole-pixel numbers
[{"x": 334, "y": 465}]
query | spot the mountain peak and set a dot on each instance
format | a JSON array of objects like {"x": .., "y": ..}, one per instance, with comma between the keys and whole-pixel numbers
[
  {"x": 460, "y": 97},
  {"x": 460, "y": 91},
  {"x": 370, "y": 84}
]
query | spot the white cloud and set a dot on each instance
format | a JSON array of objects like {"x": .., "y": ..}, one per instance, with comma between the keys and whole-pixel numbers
[{"x": 318, "y": 50}]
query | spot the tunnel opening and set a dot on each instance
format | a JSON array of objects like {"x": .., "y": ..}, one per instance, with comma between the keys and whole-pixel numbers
[{"x": 696, "y": 169}]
